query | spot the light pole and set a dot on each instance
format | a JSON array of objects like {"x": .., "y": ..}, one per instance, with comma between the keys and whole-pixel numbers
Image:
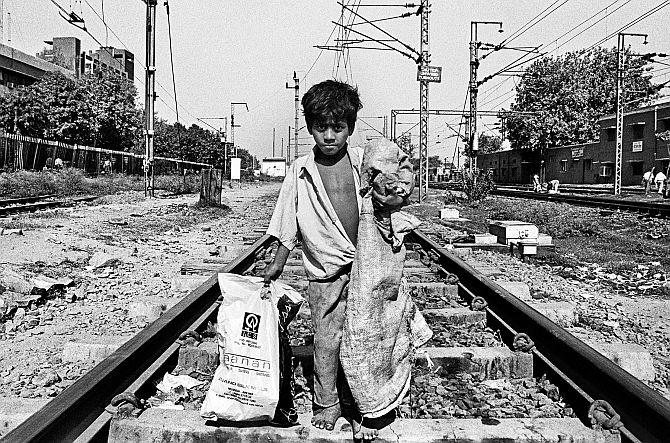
[
  {"x": 233, "y": 125},
  {"x": 620, "y": 53},
  {"x": 474, "y": 64}
]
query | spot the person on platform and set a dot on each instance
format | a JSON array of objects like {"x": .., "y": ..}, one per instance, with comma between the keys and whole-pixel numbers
[
  {"x": 648, "y": 179},
  {"x": 536, "y": 183},
  {"x": 320, "y": 203},
  {"x": 659, "y": 179}
]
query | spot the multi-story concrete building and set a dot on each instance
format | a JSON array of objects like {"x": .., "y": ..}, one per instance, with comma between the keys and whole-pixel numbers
[
  {"x": 594, "y": 162},
  {"x": 66, "y": 52},
  {"x": 18, "y": 69}
]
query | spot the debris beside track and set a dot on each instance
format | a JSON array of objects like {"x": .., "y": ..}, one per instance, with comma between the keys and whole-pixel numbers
[{"x": 110, "y": 265}]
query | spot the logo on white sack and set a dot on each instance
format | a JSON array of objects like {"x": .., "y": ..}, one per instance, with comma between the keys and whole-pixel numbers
[{"x": 250, "y": 325}]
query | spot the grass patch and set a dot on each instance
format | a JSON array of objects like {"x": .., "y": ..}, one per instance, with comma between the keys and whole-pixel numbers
[{"x": 72, "y": 181}]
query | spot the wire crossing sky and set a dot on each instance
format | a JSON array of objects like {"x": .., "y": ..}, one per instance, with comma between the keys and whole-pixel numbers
[{"x": 246, "y": 51}]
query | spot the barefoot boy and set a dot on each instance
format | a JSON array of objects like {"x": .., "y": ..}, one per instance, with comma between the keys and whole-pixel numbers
[{"x": 320, "y": 200}]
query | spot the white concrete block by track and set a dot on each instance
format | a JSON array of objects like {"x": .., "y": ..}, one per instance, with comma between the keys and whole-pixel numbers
[
  {"x": 562, "y": 313},
  {"x": 94, "y": 348},
  {"x": 516, "y": 288},
  {"x": 14, "y": 411},
  {"x": 149, "y": 307},
  {"x": 633, "y": 358},
  {"x": 490, "y": 362},
  {"x": 456, "y": 316}
]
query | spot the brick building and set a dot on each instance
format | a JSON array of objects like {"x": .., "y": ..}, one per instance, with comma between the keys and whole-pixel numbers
[{"x": 593, "y": 162}]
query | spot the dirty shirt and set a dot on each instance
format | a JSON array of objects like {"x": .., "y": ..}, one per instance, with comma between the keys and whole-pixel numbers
[{"x": 304, "y": 209}]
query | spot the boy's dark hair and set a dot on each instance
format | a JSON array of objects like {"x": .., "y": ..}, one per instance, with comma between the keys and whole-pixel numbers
[{"x": 334, "y": 99}]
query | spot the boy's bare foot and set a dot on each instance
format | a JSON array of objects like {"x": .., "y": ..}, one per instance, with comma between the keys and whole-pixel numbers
[
  {"x": 368, "y": 428},
  {"x": 363, "y": 433},
  {"x": 325, "y": 418}
]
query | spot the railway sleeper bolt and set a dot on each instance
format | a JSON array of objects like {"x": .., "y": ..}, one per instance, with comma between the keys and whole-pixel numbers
[
  {"x": 124, "y": 405},
  {"x": 603, "y": 416},
  {"x": 522, "y": 343},
  {"x": 189, "y": 338},
  {"x": 478, "y": 303}
]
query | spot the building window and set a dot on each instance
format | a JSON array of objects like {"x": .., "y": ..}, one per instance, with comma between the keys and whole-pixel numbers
[
  {"x": 637, "y": 168},
  {"x": 514, "y": 170},
  {"x": 610, "y": 133},
  {"x": 638, "y": 131},
  {"x": 564, "y": 165},
  {"x": 588, "y": 164},
  {"x": 664, "y": 125}
]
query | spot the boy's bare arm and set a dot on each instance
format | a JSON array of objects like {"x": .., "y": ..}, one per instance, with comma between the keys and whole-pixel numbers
[{"x": 274, "y": 269}]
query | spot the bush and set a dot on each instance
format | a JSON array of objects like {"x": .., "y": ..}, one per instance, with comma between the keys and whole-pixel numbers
[{"x": 476, "y": 186}]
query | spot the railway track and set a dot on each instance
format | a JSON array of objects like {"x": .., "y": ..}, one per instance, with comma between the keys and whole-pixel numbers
[
  {"x": 31, "y": 204},
  {"x": 652, "y": 208},
  {"x": 456, "y": 300}
]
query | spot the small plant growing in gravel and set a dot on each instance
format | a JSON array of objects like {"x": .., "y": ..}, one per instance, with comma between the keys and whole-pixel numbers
[{"x": 476, "y": 185}]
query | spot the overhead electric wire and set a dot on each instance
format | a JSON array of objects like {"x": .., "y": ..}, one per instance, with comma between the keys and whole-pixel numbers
[
  {"x": 530, "y": 23},
  {"x": 631, "y": 23}
]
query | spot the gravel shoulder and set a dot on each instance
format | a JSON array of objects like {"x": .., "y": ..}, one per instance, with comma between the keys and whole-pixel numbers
[{"x": 149, "y": 240}]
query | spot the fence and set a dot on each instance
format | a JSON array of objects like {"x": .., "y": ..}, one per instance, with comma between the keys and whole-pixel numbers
[{"x": 21, "y": 152}]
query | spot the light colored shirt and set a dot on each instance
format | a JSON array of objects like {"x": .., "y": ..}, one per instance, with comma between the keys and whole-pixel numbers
[
  {"x": 660, "y": 177},
  {"x": 303, "y": 208},
  {"x": 647, "y": 175}
]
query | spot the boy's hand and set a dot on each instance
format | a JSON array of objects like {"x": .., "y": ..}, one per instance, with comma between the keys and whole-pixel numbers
[
  {"x": 272, "y": 272},
  {"x": 391, "y": 200}
]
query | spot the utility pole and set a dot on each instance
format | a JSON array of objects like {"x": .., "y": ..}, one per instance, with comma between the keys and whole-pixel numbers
[
  {"x": 288, "y": 145},
  {"x": 233, "y": 125},
  {"x": 423, "y": 105},
  {"x": 296, "y": 86},
  {"x": 474, "y": 64},
  {"x": 620, "y": 53},
  {"x": 386, "y": 127},
  {"x": 273, "y": 142},
  {"x": 150, "y": 98}
]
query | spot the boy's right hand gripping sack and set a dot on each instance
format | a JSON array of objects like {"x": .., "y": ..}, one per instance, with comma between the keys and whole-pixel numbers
[{"x": 246, "y": 383}]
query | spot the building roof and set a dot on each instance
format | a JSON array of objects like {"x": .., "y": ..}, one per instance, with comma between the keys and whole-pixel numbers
[
  {"x": 274, "y": 159},
  {"x": 662, "y": 102}
]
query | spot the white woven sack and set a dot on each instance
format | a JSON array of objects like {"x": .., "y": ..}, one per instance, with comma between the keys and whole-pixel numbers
[{"x": 246, "y": 383}]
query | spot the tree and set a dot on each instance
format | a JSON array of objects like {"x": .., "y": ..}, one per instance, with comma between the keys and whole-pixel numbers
[
  {"x": 99, "y": 111},
  {"x": 567, "y": 94},
  {"x": 489, "y": 143}
]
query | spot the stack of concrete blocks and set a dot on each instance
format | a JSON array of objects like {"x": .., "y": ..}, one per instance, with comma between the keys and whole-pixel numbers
[
  {"x": 450, "y": 213},
  {"x": 524, "y": 235}
]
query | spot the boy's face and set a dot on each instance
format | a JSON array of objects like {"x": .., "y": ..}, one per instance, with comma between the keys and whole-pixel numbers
[{"x": 329, "y": 135}]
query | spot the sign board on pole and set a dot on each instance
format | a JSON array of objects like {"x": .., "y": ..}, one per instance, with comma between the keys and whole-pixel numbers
[
  {"x": 429, "y": 74},
  {"x": 235, "y": 163},
  {"x": 578, "y": 153},
  {"x": 637, "y": 146}
]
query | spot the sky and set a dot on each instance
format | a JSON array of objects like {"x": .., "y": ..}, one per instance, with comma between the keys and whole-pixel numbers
[{"x": 245, "y": 51}]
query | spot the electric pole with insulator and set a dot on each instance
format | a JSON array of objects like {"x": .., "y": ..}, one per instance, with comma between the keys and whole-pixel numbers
[
  {"x": 233, "y": 125},
  {"x": 620, "y": 54},
  {"x": 150, "y": 98},
  {"x": 474, "y": 64},
  {"x": 423, "y": 108},
  {"x": 296, "y": 87}
]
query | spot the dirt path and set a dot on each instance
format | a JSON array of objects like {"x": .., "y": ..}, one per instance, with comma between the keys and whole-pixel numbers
[{"x": 146, "y": 241}]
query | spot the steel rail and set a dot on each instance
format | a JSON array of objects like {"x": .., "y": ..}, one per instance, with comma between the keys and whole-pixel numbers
[
  {"x": 21, "y": 200},
  {"x": 31, "y": 207},
  {"x": 592, "y": 201},
  {"x": 70, "y": 414},
  {"x": 644, "y": 412}
]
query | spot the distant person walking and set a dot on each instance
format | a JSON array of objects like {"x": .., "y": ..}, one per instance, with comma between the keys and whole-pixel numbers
[
  {"x": 660, "y": 180},
  {"x": 647, "y": 179},
  {"x": 536, "y": 183}
]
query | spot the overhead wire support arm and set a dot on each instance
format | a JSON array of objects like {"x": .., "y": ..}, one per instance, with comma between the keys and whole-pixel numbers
[{"x": 410, "y": 56}]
